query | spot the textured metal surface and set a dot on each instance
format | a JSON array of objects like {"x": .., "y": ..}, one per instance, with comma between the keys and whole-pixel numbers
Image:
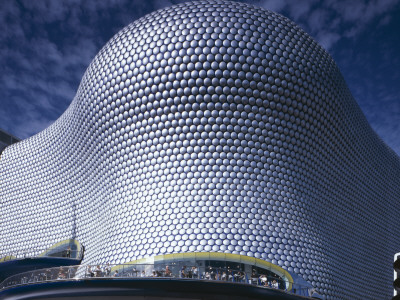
[{"x": 212, "y": 127}]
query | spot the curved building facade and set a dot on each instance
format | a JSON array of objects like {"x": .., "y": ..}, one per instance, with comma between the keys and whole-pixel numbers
[{"x": 212, "y": 127}]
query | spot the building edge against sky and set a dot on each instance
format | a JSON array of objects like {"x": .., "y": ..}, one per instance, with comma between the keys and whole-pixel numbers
[
  {"x": 6, "y": 139},
  {"x": 212, "y": 127}
]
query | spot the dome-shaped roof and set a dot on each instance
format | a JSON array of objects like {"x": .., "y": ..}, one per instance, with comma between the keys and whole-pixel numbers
[{"x": 211, "y": 126}]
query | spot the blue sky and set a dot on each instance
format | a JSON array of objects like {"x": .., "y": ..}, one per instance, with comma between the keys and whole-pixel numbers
[{"x": 46, "y": 45}]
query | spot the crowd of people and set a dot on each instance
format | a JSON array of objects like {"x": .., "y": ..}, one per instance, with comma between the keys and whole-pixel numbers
[
  {"x": 146, "y": 271},
  {"x": 210, "y": 273}
]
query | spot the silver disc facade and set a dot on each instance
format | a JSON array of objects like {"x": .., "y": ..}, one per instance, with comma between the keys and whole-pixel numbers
[{"x": 212, "y": 127}]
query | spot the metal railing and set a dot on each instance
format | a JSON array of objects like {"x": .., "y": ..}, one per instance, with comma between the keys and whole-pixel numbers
[{"x": 193, "y": 272}]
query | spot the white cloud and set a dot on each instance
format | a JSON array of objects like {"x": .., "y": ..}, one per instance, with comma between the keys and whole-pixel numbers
[
  {"x": 41, "y": 71},
  {"x": 329, "y": 21},
  {"x": 273, "y": 5}
]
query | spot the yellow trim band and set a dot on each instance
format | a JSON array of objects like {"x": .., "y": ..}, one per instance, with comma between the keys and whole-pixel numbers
[
  {"x": 6, "y": 258},
  {"x": 285, "y": 275},
  {"x": 62, "y": 243},
  {"x": 55, "y": 246}
]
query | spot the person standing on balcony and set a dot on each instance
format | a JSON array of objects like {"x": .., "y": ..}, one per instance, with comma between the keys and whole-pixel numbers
[{"x": 68, "y": 252}]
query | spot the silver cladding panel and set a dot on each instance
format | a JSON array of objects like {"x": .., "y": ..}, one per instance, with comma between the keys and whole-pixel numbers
[{"x": 212, "y": 126}]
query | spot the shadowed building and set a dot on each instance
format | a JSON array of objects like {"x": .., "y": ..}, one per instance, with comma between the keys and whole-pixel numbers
[{"x": 6, "y": 139}]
